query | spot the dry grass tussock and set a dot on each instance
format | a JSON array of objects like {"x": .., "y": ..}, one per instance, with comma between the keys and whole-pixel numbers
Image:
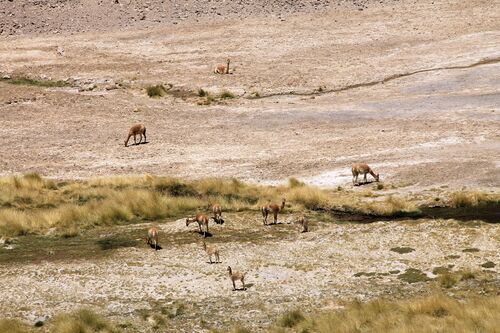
[
  {"x": 473, "y": 199},
  {"x": 82, "y": 321},
  {"x": 32, "y": 204},
  {"x": 391, "y": 206},
  {"x": 436, "y": 313}
]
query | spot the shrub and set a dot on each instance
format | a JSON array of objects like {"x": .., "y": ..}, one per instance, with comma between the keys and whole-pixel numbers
[
  {"x": 202, "y": 93},
  {"x": 435, "y": 313},
  {"x": 226, "y": 94},
  {"x": 34, "y": 82},
  {"x": 294, "y": 182},
  {"x": 291, "y": 319},
  {"x": 472, "y": 199},
  {"x": 85, "y": 321},
  {"x": 156, "y": 91},
  {"x": 13, "y": 326},
  {"x": 447, "y": 280}
]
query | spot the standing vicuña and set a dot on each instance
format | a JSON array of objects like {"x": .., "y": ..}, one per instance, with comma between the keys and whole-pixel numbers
[
  {"x": 303, "y": 222},
  {"x": 217, "y": 210},
  {"x": 235, "y": 276},
  {"x": 362, "y": 168},
  {"x": 274, "y": 208},
  {"x": 211, "y": 250},
  {"x": 201, "y": 219},
  {"x": 134, "y": 130},
  {"x": 152, "y": 238},
  {"x": 222, "y": 69}
]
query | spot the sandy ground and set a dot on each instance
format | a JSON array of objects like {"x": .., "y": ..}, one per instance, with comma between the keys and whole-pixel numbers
[
  {"x": 437, "y": 127},
  {"x": 284, "y": 270}
]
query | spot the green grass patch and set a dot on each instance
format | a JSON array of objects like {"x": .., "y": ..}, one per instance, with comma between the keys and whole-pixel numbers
[
  {"x": 116, "y": 242},
  {"x": 471, "y": 250},
  {"x": 488, "y": 264},
  {"x": 412, "y": 275},
  {"x": 35, "y": 82},
  {"x": 402, "y": 249},
  {"x": 291, "y": 319}
]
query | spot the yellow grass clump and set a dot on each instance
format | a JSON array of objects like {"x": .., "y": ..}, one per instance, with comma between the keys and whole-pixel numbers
[
  {"x": 84, "y": 321},
  {"x": 436, "y": 313},
  {"x": 391, "y": 206},
  {"x": 472, "y": 199},
  {"x": 14, "y": 326}
]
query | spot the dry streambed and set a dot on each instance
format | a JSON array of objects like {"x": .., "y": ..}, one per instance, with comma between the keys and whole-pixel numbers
[{"x": 118, "y": 275}]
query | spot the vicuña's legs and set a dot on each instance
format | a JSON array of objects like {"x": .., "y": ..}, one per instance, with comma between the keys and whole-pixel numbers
[
  {"x": 364, "y": 179},
  {"x": 275, "y": 215},
  {"x": 135, "y": 141},
  {"x": 145, "y": 136}
]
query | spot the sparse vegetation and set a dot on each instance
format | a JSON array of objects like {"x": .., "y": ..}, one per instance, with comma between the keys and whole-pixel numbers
[
  {"x": 14, "y": 326},
  {"x": 471, "y": 250},
  {"x": 156, "y": 91},
  {"x": 412, "y": 275},
  {"x": 35, "y": 82},
  {"x": 473, "y": 199},
  {"x": 437, "y": 313},
  {"x": 392, "y": 206},
  {"x": 32, "y": 204},
  {"x": 254, "y": 95},
  {"x": 291, "y": 319},
  {"x": 402, "y": 249},
  {"x": 226, "y": 94},
  {"x": 85, "y": 321},
  {"x": 488, "y": 264},
  {"x": 202, "y": 93},
  {"x": 447, "y": 280},
  {"x": 115, "y": 242}
]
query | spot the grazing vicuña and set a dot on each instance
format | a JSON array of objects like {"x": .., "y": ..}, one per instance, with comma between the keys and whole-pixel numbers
[{"x": 138, "y": 129}]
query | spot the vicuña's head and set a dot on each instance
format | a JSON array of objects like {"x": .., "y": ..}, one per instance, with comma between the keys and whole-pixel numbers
[
  {"x": 377, "y": 177},
  {"x": 228, "y": 60},
  {"x": 229, "y": 269},
  {"x": 125, "y": 142}
]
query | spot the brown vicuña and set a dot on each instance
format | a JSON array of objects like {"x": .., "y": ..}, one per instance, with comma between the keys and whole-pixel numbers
[
  {"x": 303, "y": 222},
  {"x": 211, "y": 250},
  {"x": 152, "y": 238},
  {"x": 235, "y": 276},
  {"x": 362, "y": 169},
  {"x": 274, "y": 208},
  {"x": 138, "y": 129},
  {"x": 222, "y": 69},
  {"x": 217, "y": 211},
  {"x": 201, "y": 219}
]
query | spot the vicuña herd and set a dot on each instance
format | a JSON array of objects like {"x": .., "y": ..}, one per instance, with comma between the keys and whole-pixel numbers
[{"x": 271, "y": 208}]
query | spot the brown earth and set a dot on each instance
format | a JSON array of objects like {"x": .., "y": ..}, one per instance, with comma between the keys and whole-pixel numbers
[{"x": 412, "y": 88}]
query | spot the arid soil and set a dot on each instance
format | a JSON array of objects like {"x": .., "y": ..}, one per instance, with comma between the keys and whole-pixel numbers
[
  {"x": 438, "y": 127},
  {"x": 284, "y": 269},
  {"x": 410, "y": 87}
]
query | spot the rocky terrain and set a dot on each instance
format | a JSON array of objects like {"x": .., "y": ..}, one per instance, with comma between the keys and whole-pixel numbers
[{"x": 74, "y": 16}]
